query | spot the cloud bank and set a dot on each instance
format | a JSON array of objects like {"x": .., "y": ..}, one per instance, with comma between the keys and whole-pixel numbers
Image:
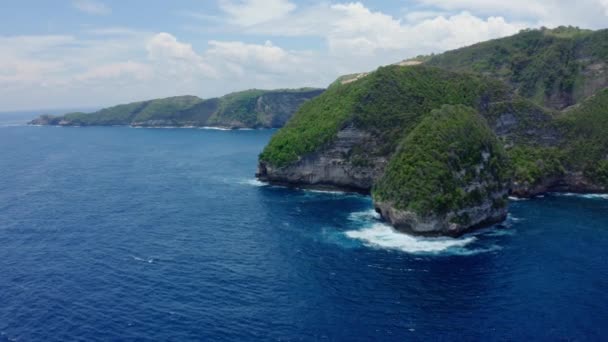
[{"x": 107, "y": 65}]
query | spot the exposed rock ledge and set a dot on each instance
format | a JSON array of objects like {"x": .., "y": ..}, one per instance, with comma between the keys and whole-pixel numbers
[
  {"x": 332, "y": 167},
  {"x": 574, "y": 182},
  {"x": 481, "y": 215}
]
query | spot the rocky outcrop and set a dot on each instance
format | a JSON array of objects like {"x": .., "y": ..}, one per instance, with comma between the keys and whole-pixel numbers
[
  {"x": 46, "y": 120},
  {"x": 447, "y": 178},
  {"x": 351, "y": 162},
  {"x": 276, "y": 108},
  {"x": 575, "y": 182},
  {"x": 491, "y": 210}
]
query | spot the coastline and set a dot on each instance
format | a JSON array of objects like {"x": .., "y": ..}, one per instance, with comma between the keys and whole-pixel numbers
[
  {"x": 512, "y": 197},
  {"x": 214, "y": 128}
]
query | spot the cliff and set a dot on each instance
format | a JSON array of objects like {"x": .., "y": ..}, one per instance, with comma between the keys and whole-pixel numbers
[
  {"x": 356, "y": 134},
  {"x": 246, "y": 109},
  {"x": 450, "y": 174}
]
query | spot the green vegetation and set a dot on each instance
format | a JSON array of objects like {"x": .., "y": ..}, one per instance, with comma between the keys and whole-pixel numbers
[
  {"x": 543, "y": 65},
  {"x": 449, "y": 150},
  {"x": 165, "y": 108},
  {"x": 315, "y": 124},
  {"x": 388, "y": 102},
  {"x": 451, "y": 133},
  {"x": 239, "y": 109},
  {"x": 532, "y": 164},
  {"x": 586, "y": 137},
  {"x": 133, "y": 112},
  {"x": 250, "y": 108}
]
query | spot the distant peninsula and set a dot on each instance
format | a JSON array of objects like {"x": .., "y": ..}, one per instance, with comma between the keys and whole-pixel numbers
[
  {"x": 246, "y": 109},
  {"x": 441, "y": 142}
]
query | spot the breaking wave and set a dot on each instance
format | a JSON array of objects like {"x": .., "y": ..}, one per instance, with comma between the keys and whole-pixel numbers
[
  {"x": 252, "y": 182},
  {"x": 372, "y": 232},
  {"x": 383, "y": 236}
]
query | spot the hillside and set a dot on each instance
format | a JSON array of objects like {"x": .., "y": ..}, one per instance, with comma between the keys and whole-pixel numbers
[
  {"x": 347, "y": 136},
  {"x": 246, "y": 109},
  {"x": 390, "y": 133},
  {"x": 555, "y": 68}
]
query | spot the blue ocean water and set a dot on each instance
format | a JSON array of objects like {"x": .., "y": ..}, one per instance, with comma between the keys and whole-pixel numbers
[{"x": 118, "y": 233}]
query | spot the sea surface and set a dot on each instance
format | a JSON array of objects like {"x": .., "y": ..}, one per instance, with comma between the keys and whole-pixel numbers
[{"x": 116, "y": 233}]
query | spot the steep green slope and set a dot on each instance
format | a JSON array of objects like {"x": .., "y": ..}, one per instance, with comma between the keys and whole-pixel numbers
[
  {"x": 251, "y": 108},
  {"x": 388, "y": 102},
  {"x": 555, "y": 68},
  {"x": 260, "y": 108},
  {"x": 577, "y": 161},
  {"x": 586, "y": 143},
  {"x": 443, "y": 174}
]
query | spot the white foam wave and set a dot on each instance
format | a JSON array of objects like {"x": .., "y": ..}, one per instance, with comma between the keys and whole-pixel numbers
[
  {"x": 149, "y": 261},
  {"x": 383, "y": 236},
  {"x": 366, "y": 216},
  {"x": 516, "y": 199},
  {"x": 588, "y": 196},
  {"x": 329, "y": 192},
  {"x": 216, "y": 128},
  {"x": 511, "y": 218},
  {"x": 252, "y": 182}
]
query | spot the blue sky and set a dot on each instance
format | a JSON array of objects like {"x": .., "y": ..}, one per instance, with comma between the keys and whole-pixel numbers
[{"x": 90, "y": 53}]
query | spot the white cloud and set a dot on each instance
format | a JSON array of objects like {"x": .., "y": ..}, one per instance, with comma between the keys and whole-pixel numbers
[
  {"x": 251, "y": 12},
  {"x": 605, "y": 4},
  {"x": 582, "y": 13},
  {"x": 417, "y": 16},
  {"x": 351, "y": 29},
  {"x": 266, "y": 57},
  {"x": 138, "y": 71},
  {"x": 177, "y": 58},
  {"x": 114, "y": 64},
  {"x": 91, "y": 7}
]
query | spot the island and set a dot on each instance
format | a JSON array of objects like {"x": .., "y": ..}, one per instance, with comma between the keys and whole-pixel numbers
[{"x": 441, "y": 142}]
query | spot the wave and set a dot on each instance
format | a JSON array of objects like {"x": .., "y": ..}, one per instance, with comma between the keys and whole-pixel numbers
[
  {"x": 136, "y": 258},
  {"x": 329, "y": 192},
  {"x": 587, "y": 196},
  {"x": 373, "y": 232},
  {"x": 216, "y": 128},
  {"x": 517, "y": 199},
  {"x": 381, "y": 235},
  {"x": 364, "y": 216},
  {"x": 252, "y": 182}
]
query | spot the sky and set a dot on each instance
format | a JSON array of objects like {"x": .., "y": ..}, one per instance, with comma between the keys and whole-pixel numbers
[{"x": 95, "y": 53}]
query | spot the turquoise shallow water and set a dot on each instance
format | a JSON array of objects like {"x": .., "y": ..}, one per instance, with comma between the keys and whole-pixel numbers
[{"x": 163, "y": 234}]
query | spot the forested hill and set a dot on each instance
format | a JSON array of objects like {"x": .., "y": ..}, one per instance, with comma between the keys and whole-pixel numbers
[
  {"x": 555, "y": 68},
  {"x": 440, "y": 141},
  {"x": 246, "y": 109}
]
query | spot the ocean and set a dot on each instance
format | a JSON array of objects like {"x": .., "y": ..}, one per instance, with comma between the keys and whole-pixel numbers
[{"x": 117, "y": 233}]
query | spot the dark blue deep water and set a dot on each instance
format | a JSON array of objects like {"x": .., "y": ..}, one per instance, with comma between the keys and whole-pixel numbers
[{"x": 162, "y": 234}]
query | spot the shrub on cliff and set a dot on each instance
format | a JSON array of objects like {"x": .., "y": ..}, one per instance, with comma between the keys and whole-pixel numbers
[{"x": 450, "y": 161}]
